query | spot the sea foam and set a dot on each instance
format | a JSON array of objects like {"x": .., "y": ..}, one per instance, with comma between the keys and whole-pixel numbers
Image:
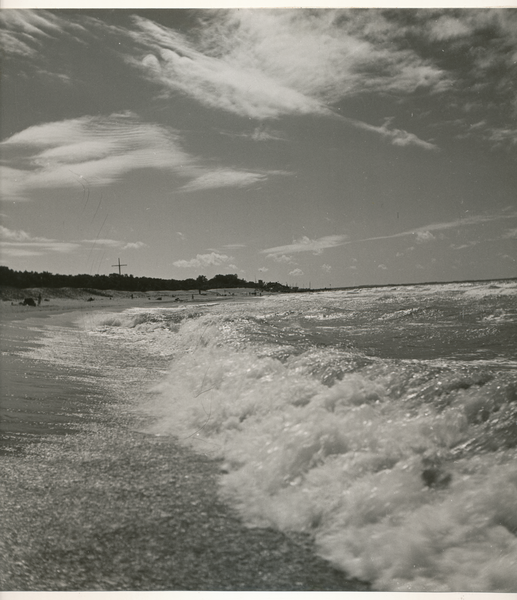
[{"x": 403, "y": 470}]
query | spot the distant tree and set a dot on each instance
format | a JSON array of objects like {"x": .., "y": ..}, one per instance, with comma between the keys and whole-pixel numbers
[
  {"x": 201, "y": 283},
  {"x": 114, "y": 281}
]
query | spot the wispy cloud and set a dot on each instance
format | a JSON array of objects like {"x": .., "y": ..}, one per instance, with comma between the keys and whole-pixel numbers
[
  {"x": 266, "y": 63},
  {"x": 20, "y": 243},
  {"x": 497, "y": 137},
  {"x": 305, "y": 244},
  {"x": 234, "y": 246},
  {"x": 263, "y": 64},
  {"x": 398, "y": 137},
  {"x": 423, "y": 234},
  {"x": 261, "y": 133},
  {"x": 420, "y": 234},
  {"x": 98, "y": 151},
  {"x": 470, "y": 244},
  {"x": 264, "y": 134},
  {"x": 24, "y": 31},
  {"x": 220, "y": 78},
  {"x": 115, "y": 244},
  {"x": 224, "y": 178},
  {"x": 89, "y": 151}
]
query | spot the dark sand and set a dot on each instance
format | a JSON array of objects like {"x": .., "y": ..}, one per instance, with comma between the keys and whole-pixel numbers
[{"x": 105, "y": 507}]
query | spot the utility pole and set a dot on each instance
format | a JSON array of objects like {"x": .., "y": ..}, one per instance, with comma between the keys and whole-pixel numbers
[{"x": 119, "y": 267}]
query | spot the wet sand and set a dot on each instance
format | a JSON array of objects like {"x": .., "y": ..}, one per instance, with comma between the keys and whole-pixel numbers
[{"x": 106, "y": 507}]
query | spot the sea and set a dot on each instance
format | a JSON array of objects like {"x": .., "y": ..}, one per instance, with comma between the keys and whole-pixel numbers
[{"x": 380, "y": 421}]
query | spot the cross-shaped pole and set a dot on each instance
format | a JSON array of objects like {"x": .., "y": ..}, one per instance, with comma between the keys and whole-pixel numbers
[{"x": 119, "y": 267}]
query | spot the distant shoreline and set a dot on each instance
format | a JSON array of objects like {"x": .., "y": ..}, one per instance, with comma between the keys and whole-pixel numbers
[{"x": 59, "y": 300}]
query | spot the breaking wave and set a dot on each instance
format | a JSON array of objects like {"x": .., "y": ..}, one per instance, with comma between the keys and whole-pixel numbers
[{"x": 402, "y": 469}]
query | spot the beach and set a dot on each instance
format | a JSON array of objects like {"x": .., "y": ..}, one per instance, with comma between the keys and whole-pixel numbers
[{"x": 91, "y": 501}]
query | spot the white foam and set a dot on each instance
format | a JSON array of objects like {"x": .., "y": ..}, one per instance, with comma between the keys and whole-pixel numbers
[{"x": 403, "y": 471}]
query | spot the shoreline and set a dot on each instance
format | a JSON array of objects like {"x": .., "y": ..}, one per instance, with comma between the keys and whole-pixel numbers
[
  {"x": 110, "y": 508},
  {"x": 10, "y": 310}
]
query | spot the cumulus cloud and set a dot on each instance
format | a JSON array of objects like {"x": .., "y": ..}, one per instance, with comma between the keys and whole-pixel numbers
[
  {"x": 204, "y": 260},
  {"x": 424, "y": 236},
  {"x": 263, "y": 269},
  {"x": 296, "y": 273},
  {"x": 305, "y": 244},
  {"x": 134, "y": 246},
  {"x": 281, "y": 258}
]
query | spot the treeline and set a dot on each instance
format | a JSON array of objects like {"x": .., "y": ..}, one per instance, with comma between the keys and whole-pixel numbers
[{"x": 114, "y": 281}]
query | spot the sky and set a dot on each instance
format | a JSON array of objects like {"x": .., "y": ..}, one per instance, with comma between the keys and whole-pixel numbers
[{"x": 314, "y": 147}]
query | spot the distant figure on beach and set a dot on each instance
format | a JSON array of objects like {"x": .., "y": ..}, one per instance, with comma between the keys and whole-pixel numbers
[{"x": 39, "y": 298}]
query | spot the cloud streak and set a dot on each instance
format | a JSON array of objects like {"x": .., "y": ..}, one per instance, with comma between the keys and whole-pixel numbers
[
  {"x": 224, "y": 178},
  {"x": 423, "y": 234},
  {"x": 305, "y": 244},
  {"x": 20, "y": 243},
  {"x": 24, "y": 31},
  {"x": 116, "y": 244},
  {"x": 99, "y": 151},
  {"x": 17, "y": 242}
]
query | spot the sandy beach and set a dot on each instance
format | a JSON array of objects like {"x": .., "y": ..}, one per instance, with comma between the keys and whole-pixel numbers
[
  {"x": 107, "y": 507},
  {"x": 68, "y": 299}
]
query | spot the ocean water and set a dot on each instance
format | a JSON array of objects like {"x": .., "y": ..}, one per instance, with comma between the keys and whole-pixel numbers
[{"x": 383, "y": 421}]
